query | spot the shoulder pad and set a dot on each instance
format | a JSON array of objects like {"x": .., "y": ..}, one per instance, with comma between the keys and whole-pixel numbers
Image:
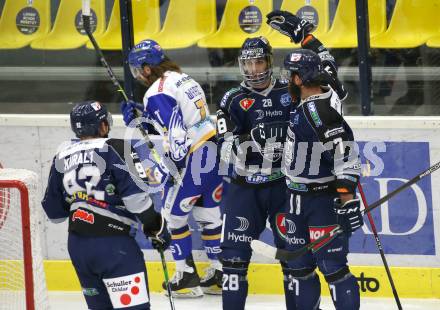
[
  {"x": 180, "y": 79},
  {"x": 320, "y": 113},
  {"x": 164, "y": 85},
  {"x": 227, "y": 97},
  {"x": 120, "y": 146}
]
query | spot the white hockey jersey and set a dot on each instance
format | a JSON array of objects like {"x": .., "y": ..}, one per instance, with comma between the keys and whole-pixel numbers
[{"x": 176, "y": 104}]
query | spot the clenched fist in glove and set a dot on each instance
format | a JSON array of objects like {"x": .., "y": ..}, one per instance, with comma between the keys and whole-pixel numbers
[
  {"x": 128, "y": 110},
  {"x": 348, "y": 214},
  {"x": 291, "y": 25},
  {"x": 161, "y": 239}
]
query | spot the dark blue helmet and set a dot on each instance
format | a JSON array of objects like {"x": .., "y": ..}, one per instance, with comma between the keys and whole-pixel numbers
[
  {"x": 145, "y": 53},
  {"x": 255, "y": 61},
  {"x": 86, "y": 117},
  {"x": 305, "y": 63}
]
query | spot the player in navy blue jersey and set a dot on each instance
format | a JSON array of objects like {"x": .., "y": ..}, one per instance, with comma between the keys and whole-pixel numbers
[
  {"x": 251, "y": 127},
  {"x": 322, "y": 168},
  {"x": 99, "y": 185}
]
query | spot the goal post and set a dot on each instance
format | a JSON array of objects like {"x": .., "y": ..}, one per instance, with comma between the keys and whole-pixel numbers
[{"x": 22, "y": 278}]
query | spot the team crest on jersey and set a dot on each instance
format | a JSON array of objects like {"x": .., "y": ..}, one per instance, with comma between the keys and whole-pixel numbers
[
  {"x": 285, "y": 100},
  {"x": 247, "y": 103},
  {"x": 217, "y": 193}
]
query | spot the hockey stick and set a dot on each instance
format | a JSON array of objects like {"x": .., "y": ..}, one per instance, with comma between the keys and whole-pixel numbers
[
  {"x": 379, "y": 246},
  {"x": 167, "y": 280},
  {"x": 86, "y": 24},
  {"x": 286, "y": 255}
]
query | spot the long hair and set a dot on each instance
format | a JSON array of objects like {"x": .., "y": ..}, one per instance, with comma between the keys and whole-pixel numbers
[
  {"x": 158, "y": 71},
  {"x": 166, "y": 65}
]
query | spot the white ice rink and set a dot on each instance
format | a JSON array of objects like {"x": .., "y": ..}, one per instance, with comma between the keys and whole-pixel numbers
[{"x": 70, "y": 301}]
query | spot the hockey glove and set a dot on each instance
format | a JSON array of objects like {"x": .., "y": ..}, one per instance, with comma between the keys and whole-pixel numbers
[
  {"x": 269, "y": 138},
  {"x": 289, "y": 25},
  {"x": 128, "y": 110},
  {"x": 348, "y": 214},
  {"x": 161, "y": 239},
  {"x": 224, "y": 126}
]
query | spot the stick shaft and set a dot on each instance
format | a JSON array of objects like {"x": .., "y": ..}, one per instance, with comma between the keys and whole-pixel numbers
[
  {"x": 167, "y": 280},
  {"x": 379, "y": 246}
]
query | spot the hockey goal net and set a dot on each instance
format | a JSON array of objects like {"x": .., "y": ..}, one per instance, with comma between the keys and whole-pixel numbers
[{"x": 22, "y": 279}]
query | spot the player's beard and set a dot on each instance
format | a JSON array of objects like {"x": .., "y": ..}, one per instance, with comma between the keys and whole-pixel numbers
[
  {"x": 294, "y": 91},
  {"x": 148, "y": 80}
]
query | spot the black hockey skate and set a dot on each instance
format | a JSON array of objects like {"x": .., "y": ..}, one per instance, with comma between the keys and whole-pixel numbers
[
  {"x": 211, "y": 283},
  {"x": 185, "y": 284}
]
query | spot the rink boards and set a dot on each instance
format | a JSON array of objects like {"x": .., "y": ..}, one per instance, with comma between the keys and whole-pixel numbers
[
  {"x": 411, "y": 282},
  {"x": 393, "y": 150}
]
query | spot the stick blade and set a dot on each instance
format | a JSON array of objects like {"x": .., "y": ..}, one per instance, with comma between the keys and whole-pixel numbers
[{"x": 263, "y": 249}]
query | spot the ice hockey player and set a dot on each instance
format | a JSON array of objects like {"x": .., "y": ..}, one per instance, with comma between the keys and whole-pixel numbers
[
  {"x": 176, "y": 104},
  {"x": 322, "y": 168},
  {"x": 103, "y": 194},
  {"x": 251, "y": 127}
]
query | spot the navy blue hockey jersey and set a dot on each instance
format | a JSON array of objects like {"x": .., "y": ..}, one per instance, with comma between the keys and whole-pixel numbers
[
  {"x": 91, "y": 184},
  {"x": 320, "y": 153},
  {"x": 246, "y": 108}
]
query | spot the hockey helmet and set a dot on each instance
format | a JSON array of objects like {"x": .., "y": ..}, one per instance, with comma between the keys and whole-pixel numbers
[
  {"x": 86, "y": 118},
  {"x": 255, "y": 61},
  {"x": 303, "y": 62},
  {"x": 145, "y": 53}
]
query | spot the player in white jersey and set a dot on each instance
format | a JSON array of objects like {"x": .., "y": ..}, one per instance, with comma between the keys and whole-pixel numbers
[{"x": 175, "y": 105}]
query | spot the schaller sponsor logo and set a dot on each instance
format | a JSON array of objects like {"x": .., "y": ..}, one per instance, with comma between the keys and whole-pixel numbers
[
  {"x": 120, "y": 286},
  {"x": 127, "y": 291}
]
